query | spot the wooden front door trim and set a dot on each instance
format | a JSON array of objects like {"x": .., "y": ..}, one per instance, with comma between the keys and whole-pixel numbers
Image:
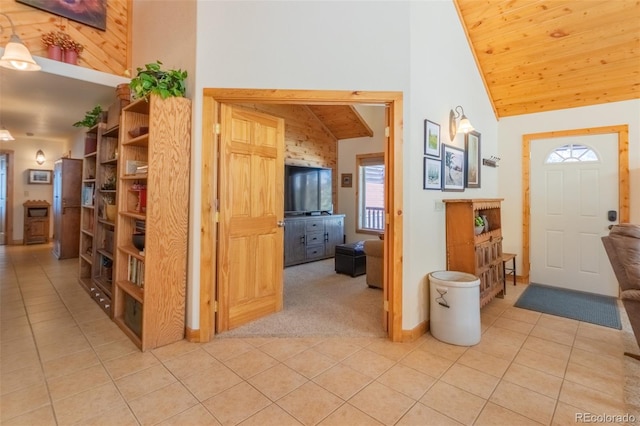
[
  {"x": 623, "y": 179},
  {"x": 209, "y": 188}
]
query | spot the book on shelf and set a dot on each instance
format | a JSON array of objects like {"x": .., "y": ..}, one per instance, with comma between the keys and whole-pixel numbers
[
  {"x": 139, "y": 226},
  {"x": 87, "y": 194},
  {"x": 135, "y": 272},
  {"x": 132, "y": 166}
]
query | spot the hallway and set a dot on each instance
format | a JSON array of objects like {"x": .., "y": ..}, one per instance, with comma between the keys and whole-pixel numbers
[{"x": 64, "y": 362}]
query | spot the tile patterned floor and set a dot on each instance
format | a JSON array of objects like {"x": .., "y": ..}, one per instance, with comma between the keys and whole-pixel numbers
[{"x": 63, "y": 362}]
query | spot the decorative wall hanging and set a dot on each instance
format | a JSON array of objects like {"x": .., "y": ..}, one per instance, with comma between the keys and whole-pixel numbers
[
  {"x": 432, "y": 174},
  {"x": 431, "y": 139},
  {"x": 88, "y": 12},
  {"x": 452, "y": 168},
  {"x": 40, "y": 176},
  {"x": 346, "y": 180},
  {"x": 472, "y": 151}
]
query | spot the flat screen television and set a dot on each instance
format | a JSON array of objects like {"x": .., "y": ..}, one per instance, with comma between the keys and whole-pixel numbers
[{"x": 307, "y": 190}]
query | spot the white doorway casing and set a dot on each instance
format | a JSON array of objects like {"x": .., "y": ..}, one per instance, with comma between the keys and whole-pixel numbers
[{"x": 569, "y": 205}]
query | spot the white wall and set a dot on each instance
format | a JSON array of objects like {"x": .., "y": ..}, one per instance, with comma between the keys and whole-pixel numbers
[
  {"x": 511, "y": 130},
  {"x": 24, "y": 157},
  {"x": 443, "y": 75},
  {"x": 347, "y": 151},
  {"x": 418, "y": 48}
]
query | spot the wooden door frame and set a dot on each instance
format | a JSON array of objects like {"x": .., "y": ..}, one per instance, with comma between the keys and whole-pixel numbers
[
  {"x": 623, "y": 178},
  {"x": 9, "y": 213},
  {"x": 212, "y": 98}
]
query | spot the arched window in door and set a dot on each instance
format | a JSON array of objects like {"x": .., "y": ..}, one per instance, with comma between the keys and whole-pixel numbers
[{"x": 572, "y": 153}]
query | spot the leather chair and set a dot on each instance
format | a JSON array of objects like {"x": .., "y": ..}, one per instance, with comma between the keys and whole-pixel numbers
[
  {"x": 374, "y": 250},
  {"x": 623, "y": 249}
]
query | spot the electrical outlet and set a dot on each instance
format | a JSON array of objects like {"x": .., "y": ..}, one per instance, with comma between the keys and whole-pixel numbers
[
  {"x": 438, "y": 206},
  {"x": 26, "y": 193}
]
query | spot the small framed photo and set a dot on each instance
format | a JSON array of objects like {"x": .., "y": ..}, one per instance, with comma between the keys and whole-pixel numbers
[
  {"x": 346, "y": 180},
  {"x": 472, "y": 151},
  {"x": 431, "y": 139},
  {"x": 432, "y": 178},
  {"x": 40, "y": 176},
  {"x": 452, "y": 168}
]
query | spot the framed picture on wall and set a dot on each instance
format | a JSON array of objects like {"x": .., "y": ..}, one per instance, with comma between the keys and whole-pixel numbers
[
  {"x": 472, "y": 152},
  {"x": 346, "y": 180},
  {"x": 431, "y": 139},
  {"x": 92, "y": 13},
  {"x": 432, "y": 174},
  {"x": 452, "y": 168},
  {"x": 40, "y": 176}
]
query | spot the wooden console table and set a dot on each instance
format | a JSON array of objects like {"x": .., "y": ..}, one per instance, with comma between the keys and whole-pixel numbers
[{"x": 36, "y": 221}]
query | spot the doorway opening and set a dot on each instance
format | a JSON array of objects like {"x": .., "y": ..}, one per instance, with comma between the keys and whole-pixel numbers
[
  {"x": 213, "y": 102},
  {"x": 6, "y": 197}
]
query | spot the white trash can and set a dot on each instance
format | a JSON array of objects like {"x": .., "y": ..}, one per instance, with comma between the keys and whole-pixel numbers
[{"x": 455, "y": 307}]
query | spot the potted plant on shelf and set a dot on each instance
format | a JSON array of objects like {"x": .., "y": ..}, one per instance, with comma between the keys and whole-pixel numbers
[
  {"x": 479, "y": 225},
  {"x": 72, "y": 50},
  {"x": 91, "y": 118},
  {"x": 54, "y": 41},
  {"x": 153, "y": 79}
]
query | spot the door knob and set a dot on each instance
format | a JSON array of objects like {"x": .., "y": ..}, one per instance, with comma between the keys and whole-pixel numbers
[{"x": 280, "y": 224}]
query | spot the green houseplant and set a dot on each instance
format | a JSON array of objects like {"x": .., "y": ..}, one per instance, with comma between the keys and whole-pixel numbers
[
  {"x": 91, "y": 118},
  {"x": 478, "y": 225},
  {"x": 153, "y": 79}
]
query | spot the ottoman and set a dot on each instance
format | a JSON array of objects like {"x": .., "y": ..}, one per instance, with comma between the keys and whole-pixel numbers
[{"x": 350, "y": 259}]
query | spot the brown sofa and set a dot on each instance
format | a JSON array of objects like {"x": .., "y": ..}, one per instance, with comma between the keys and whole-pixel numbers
[
  {"x": 374, "y": 250},
  {"x": 623, "y": 249}
]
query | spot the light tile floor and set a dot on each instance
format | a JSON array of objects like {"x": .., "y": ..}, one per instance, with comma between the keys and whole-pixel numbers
[{"x": 64, "y": 362}]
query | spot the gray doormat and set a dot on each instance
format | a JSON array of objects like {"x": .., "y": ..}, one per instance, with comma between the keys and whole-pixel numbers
[{"x": 578, "y": 305}]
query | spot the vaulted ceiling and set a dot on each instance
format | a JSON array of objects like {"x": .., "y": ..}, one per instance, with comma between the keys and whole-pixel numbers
[{"x": 542, "y": 55}]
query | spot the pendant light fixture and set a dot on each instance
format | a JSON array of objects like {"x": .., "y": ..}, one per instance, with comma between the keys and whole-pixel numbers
[
  {"x": 5, "y": 135},
  {"x": 16, "y": 55}
]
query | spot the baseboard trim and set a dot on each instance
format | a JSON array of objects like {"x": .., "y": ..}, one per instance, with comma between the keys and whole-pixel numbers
[
  {"x": 415, "y": 333},
  {"x": 191, "y": 335}
]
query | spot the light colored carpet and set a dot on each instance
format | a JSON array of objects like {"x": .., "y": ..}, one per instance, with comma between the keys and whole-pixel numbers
[{"x": 319, "y": 302}]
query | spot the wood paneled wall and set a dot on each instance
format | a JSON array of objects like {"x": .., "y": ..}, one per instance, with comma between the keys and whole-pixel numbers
[
  {"x": 106, "y": 51},
  {"x": 307, "y": 141}
]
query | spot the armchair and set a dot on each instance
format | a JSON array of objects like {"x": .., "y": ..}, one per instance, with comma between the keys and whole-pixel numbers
[
  {"x": 374, "y": 250},
  {"x": 623, "y": 249}
]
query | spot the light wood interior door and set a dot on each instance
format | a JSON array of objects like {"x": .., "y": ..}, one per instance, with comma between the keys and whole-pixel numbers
[{"x": 250, "y": 244}]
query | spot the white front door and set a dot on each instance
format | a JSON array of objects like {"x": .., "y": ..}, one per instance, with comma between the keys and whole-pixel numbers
[{"x": 570, "y": 201}]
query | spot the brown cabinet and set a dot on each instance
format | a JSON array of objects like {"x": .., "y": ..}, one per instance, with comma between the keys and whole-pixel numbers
[
  {"x": 67, "y": 175},
  {"x": 310, "y": 238},
  {"x": 36, "y": 221},
  {"x": 480, "y": 255}
]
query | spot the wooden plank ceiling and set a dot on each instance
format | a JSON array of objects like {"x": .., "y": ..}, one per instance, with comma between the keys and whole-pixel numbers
[
  {"x": 542, "y": 55},
  {"x": 343, "y": 121}
]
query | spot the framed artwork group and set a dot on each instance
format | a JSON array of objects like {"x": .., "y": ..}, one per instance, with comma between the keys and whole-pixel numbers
[{"x": 447, "y": 167}]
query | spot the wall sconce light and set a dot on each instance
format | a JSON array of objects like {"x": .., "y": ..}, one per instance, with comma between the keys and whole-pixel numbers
[
  {"x": 16, "y": 55},
  {"x": 40, "y": 157},
  {"x": 5, "y": 135},
  {"x": 463, "y": 127}
]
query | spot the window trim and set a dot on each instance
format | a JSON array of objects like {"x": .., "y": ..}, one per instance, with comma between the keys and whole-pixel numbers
[
  {"x": 572, "y": 159},
  {"x": 374, "y": 158}
]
